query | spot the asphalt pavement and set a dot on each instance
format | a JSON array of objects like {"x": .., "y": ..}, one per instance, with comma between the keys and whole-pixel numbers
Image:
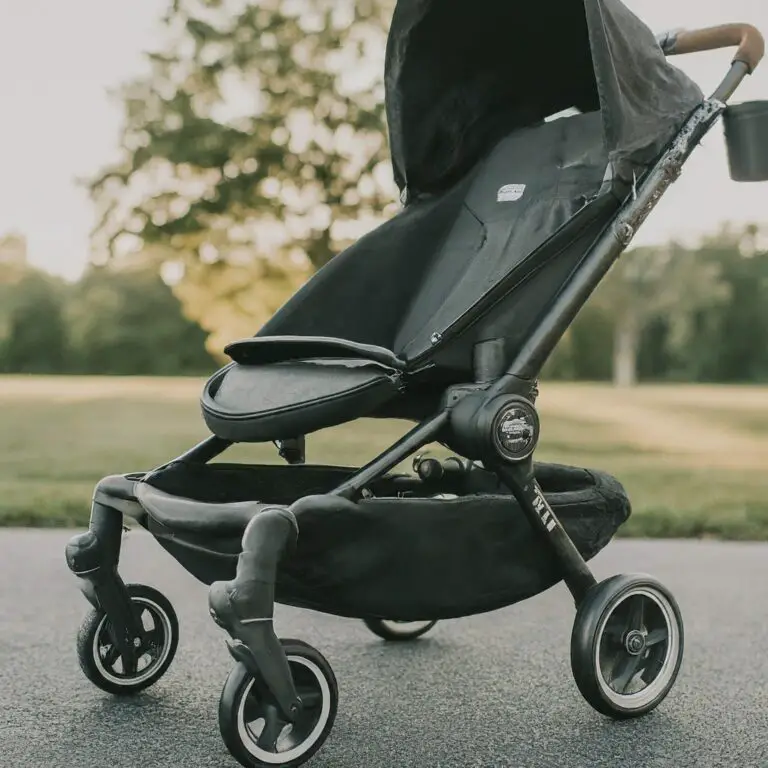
[{"x": 491, "y": 691}]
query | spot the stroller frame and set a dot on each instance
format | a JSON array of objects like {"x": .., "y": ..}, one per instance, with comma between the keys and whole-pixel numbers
[{"x": 493, "y": 421}]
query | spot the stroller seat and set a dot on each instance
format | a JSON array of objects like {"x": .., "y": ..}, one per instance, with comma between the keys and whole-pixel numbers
[{"x": 388, "y": 324}]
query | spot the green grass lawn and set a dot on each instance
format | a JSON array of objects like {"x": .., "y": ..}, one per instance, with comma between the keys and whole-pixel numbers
[{"x": 692, "y": 458}]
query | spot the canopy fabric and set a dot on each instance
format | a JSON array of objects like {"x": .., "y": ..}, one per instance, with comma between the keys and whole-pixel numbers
[{"x": 462, "y": 74}]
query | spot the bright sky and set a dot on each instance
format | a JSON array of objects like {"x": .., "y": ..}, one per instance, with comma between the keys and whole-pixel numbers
[{"x": 58, "y": 60}]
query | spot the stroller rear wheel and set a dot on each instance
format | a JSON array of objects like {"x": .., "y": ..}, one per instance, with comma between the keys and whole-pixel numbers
[
  {"x": 398, "y": 631},
  {"x": 100, "y": 657},
  {"x": 627, "y": 645},
  {"x": 251, "y": 725}
]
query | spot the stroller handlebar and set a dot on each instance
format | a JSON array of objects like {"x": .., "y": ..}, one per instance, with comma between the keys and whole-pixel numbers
[{"x": 750, "y": 42}]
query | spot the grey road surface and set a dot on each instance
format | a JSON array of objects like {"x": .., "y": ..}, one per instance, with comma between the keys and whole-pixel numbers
[{"x": 492, "y": 691}]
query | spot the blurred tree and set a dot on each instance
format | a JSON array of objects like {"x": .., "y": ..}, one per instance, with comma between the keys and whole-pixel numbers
[
  {"x": 669, "y": 282},
  {"x": 128, "y": 321},
  {"x": 33, "y": 332},
  {"x": 584, "y": 353},
  {"x": 13, "y": 269},
  {"x": 657, "y": 360},
  {"x": 730, "y": 339},
  {"x": 253, "y": 152}
]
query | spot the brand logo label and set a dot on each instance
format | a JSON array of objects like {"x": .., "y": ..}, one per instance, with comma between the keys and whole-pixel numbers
[
  {"x": 510, "y": 192},
  {"x": 544, "y": 511}
]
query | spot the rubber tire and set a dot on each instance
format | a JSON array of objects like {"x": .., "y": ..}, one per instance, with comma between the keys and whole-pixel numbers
[
  {"x": 601, "y": 598},
  {"x": 234, "y": 687},
  {"x": 91, "y": 624},
  {"x": 380, "y": 629}
]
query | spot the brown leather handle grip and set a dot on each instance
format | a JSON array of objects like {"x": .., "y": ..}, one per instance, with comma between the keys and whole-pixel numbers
[{"x": 751, "y": 44}]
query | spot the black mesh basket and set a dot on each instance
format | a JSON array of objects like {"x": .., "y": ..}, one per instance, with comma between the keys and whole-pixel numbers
[{"x": 746, "y": 137}]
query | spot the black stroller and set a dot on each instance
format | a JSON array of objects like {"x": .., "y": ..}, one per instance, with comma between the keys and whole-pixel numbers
[{"x": 514, "y": 208}]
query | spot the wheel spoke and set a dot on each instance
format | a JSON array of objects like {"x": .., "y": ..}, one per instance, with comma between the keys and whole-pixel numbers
[
  {"x": 626, "y": 671},
  {"x": 614, "y": 630},
  {"x": 131, "y": 666},
  {"x": 652, "y": 669},
  {"x": 273, "y": 727},
  {"x": 254, "y": 709},
  {"x": 111, "y": 656},
  {"x": 636, "y": 613},
  {"x": 657, "y": 636},
  {"x": 310, "y": 697}
]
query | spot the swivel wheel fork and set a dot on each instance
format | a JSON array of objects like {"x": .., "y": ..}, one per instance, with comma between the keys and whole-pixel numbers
[{"x": 244, "y": 607}]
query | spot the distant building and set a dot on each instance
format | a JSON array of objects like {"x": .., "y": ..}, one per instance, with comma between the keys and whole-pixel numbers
[{"x": 13, "y": 250}]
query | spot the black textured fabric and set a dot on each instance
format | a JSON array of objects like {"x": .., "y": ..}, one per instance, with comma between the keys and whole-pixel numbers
[
  {"x": 411, "y": 557},
  {"x": 460, "y": 75},
  {"x": 363, "y": 293},
  {"x": 557, "y": 169},
  {"x": 493, "y": 190},
  {"x": 253, "y": 403},
  {"x": 443, "y": 263}
]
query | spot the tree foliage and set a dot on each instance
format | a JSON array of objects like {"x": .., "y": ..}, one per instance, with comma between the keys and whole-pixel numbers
[
  {"x": 129, "y": 322},
  {"x": 698, "y": 314},
  {"x": 650, "y": 283},
  {"x": 253, "y": 151},
  {"x": 730, "y": 339},
  {"x": 33, "y": 332},
  {"x": 112, "y": 321}
]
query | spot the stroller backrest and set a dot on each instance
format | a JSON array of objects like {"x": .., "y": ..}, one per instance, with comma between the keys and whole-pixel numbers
[
  {"x": 434, "y": 262},
  {"x": 532, "y": 183},
  {"x": 365, "y": 291}
]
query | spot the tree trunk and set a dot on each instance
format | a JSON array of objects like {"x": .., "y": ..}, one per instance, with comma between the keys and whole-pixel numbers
[{"x": 626, "y": 339}]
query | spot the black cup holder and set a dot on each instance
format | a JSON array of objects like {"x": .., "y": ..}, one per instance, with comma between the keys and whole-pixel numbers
[{"x": 746, "y": 138}]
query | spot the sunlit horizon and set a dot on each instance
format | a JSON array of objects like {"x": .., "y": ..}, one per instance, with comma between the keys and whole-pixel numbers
[{"x": 60, "y": 61}]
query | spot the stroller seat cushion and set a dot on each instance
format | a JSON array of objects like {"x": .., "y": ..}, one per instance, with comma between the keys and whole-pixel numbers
[
  {"x": 275, "y": 349},
  {"x": 182, "y": 515},
  {"x": 259, "y": 403}
]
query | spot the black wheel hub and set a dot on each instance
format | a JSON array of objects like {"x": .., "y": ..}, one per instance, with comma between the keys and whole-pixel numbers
[
  {"x": 148, "y": 649},
  {"x": 634, "y": 642}
]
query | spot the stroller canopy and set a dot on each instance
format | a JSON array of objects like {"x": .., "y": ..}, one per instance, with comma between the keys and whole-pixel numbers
[
  {"x": 501, "y": 204},
  {"x": 460, "y": 74}
]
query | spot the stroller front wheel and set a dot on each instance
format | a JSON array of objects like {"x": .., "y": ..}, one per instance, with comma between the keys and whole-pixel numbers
[
  {"x": 627, "y": 645},
  {"x": 398, "y": 631},
  {"x": 251, "y": 725},
  {"x": 100, "y": 658}
]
